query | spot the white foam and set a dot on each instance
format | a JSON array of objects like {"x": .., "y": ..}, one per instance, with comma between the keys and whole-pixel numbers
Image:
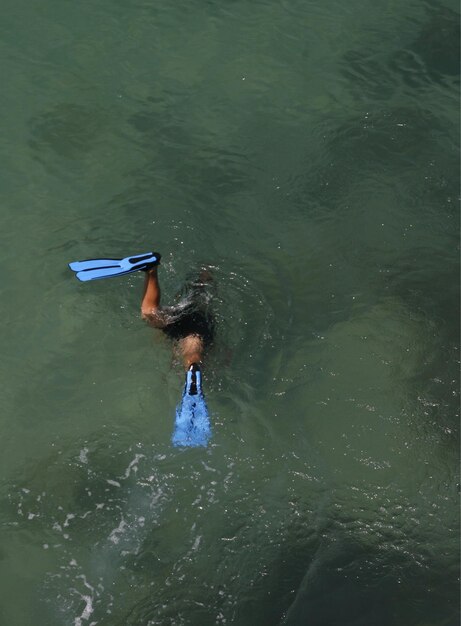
[
  {"x": 133, "y": 465},
  {"x": 114, "y": 535},
  {"x": 196, "y": 545},
  {"x": 69, "y": 517},
  {"x": 113, "y": 482},
  {"x": 88, "y": 599},
  {"x": 87, "y": 611}
]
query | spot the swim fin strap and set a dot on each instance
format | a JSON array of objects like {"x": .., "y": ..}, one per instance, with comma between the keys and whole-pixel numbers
[
  {"x": 94, "y": 269},
  {"x": 192, "y": 424}
]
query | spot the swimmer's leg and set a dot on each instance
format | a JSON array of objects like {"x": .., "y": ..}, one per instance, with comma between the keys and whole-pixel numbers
[{"x": 150, "y": 304}]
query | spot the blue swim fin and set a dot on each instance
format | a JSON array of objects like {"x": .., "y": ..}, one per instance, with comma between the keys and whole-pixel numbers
[
  {"x": 93, "y": 269},
  {"x": 192, "y": 424}
]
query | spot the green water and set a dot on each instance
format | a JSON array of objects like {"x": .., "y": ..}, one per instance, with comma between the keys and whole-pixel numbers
[{"x": 308, "y": 151}]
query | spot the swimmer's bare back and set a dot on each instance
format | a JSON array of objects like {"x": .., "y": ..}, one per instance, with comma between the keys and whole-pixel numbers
[{"x": 191, "y": 346}]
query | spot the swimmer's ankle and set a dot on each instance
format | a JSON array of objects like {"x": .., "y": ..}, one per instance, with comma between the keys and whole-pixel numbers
[{"x": 192, "y": 360}]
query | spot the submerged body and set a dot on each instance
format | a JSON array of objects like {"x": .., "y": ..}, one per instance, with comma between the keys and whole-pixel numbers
[
  {"x": 190, "y": 323},
  {"x": 190, "y": 326}
]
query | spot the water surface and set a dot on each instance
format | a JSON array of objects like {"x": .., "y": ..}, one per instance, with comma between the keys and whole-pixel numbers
[{"x": 308, "y": 152}]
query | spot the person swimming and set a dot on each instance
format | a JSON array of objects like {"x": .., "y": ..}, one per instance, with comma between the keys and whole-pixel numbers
[{"x": 189, "y": 323}]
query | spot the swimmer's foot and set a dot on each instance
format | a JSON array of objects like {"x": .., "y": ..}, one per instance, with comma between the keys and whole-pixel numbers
[
  {"x": 153, "y": 265},
  {"x": 193, "y": 379}
]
